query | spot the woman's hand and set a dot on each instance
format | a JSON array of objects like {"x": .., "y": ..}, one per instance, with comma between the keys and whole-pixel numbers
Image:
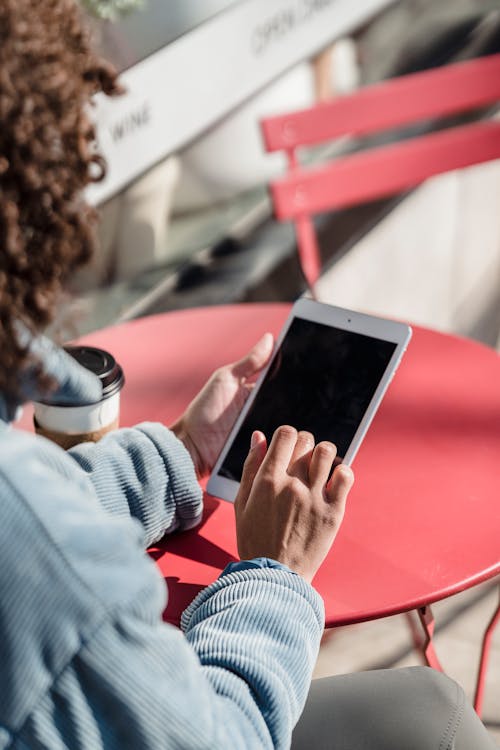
[
  {"x": 286, "y": 508},
  {"x": 206, "y": 423}
]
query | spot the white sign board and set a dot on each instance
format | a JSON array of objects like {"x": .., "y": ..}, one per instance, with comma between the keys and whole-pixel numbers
[{"x": 179, "y": 91}]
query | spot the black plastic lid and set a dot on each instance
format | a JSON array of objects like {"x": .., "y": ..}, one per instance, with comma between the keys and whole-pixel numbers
[{"x": 102, "y": 364}]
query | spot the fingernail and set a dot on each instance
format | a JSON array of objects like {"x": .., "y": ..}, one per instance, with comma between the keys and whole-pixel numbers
[{"x": 254, "y": 439}]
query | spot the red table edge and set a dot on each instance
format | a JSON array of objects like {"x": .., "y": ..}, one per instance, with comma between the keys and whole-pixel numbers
[{"x": 418, "y": 603}]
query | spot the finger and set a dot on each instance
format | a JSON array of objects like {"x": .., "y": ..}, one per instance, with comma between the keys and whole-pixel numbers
[
  {"x": 339, "y": 486},
  {"x": 257, "y": 357},
  {"x": 301, "y": 457},
  {"x": 280, "y": 451},
  {"x": 254, "y": 459},
  {"x": 321, "y": 463}
]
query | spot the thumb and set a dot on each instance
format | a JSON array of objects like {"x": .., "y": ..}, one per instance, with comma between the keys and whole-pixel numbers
[
  {"x": 256, "y": 454},
  {"x": 256, "y": 358}
]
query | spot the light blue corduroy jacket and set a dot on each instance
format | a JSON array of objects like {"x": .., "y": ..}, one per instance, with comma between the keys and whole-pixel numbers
[{"x": 85, "y": 659}]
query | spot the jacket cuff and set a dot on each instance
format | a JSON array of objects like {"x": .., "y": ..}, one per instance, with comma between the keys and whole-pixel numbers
[
  {"x": 256, "y": 562},
  {"x": 184, "y": 490},
  {"x": 256, "y": 583}
]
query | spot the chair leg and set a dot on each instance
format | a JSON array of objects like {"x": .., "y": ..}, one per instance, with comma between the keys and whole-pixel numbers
[
  {"x": 427, "y": 646},
  {"x": 308, "y": 251},
  {"x": 484, "y": 659},
  {"x": 415, "y": 631}
]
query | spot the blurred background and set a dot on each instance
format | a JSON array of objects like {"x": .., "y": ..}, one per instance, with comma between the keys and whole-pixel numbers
[{"x": 185, "y": 214}]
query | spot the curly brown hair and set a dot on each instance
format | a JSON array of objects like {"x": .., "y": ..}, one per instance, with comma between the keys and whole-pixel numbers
[{"x": 48, "y": 74}]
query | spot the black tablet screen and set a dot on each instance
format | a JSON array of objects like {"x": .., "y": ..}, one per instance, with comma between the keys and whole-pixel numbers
[{"x": 321, "y": 379}]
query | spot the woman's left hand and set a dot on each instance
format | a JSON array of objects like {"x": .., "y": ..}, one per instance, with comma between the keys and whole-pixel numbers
[{"x": 206, "y": 423}]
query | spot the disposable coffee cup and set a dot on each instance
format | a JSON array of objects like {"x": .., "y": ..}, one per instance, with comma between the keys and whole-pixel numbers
[{"x": 69, "y": 425}]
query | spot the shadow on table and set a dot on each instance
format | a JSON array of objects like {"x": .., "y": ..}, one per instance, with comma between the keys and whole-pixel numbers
[
  {"x": 180, "y": 595},
  {"x": 191, "y": 545}
]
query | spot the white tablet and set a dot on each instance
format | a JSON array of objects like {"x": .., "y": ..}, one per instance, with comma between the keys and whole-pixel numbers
[{"x": 328, "y": 374}]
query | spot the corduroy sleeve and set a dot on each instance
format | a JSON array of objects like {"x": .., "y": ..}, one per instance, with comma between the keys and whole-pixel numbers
[
  {"x": 256, "y": 632},
  {"x": 238, "y": 682},
  {"x": 87, "y": 661},
  {"x": 145, "y": 472}
]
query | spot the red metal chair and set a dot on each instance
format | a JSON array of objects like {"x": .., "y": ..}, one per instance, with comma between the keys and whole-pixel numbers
[{"x": 382, "y": 171}]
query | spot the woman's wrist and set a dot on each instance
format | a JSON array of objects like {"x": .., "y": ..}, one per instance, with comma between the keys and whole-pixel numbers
[{"x": 180, "y": 432}]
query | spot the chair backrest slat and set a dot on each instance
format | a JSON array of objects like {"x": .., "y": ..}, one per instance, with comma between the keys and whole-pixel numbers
[
  {"x": 380, "y": 172},
  {"x": 383, "y": 171},
  {"x": 434, "y": 93}
]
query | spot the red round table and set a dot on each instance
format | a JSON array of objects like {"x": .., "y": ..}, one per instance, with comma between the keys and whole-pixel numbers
[{"x": 423, "y": 519}]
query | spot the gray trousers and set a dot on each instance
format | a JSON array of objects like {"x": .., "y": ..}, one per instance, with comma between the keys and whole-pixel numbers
[{"x": 392, "y": 709}]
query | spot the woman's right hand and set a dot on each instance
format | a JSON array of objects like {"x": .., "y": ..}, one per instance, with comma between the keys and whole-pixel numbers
[{"x": 286, "y": 508}]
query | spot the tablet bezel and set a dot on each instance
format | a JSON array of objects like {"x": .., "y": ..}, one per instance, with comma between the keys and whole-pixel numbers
[{"x": 336, "y": 317}]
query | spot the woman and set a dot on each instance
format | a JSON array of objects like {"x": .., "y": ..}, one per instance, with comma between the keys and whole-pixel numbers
[{"x": 86, "y": 661}]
